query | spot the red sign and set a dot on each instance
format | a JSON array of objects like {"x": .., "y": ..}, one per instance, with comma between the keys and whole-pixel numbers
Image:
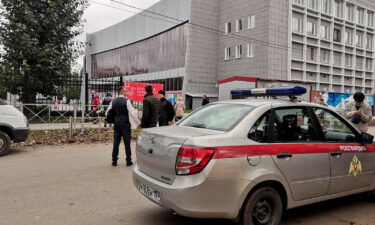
[{"x": 136, "y": 91}]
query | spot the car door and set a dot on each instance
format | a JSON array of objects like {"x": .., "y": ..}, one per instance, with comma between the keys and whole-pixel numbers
[
  {"x": 298, "y": 152},
  {"x": 352, "y": 164}
]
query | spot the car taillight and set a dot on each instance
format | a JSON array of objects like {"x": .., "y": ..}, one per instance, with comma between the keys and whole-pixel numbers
[{"x": 191, "y": 160}]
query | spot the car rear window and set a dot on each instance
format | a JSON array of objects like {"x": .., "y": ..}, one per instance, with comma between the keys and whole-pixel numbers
[{"x": 221, "y": 117}]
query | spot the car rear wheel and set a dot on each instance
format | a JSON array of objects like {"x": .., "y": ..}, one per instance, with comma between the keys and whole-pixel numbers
[
  {"x": 372, "y": 195},
  {"x": 4, "y": 143},
  {"x": 263, "y": 207}
]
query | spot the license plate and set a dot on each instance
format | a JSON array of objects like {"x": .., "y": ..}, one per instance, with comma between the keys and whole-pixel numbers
[{"x": 150, "y": 193}]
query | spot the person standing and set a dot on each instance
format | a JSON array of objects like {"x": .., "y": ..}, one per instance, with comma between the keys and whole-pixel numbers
[
  {"x": 151, "y": 106},
  {"x": 95, "y": 102},
  {"x": 106, "y": 101},
  {"x": 179, "y": 107},
  {"x": 205, "y": 100},
  {"x": 358, "y": 112},
  {"x": 166, "y": 111},
  {"x": 122, "y": 109}
]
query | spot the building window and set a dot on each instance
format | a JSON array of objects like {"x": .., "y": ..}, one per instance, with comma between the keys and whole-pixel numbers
[
  {"x": 369, "y": 64},
  {"x": 370, "y": 19},
  {"x": 297, "y": 24},
  {"x": 369, "y": 42},
  {"x": 239, "y": 25},
  {"x": 311, "y": 28},
  {"x": 311, "y": 4},
  {"x": 297, "y": 1},
  {"x": 250, "y": 50},
  {"x": 360, "y": 16},
  {"x": 325, "y": 56},
  {"x": 227, "y": 53},
  {"x": 228, "y": 28},
  {"x": 350, "y": 12},
  {"x": 348, "y": 61},
  {"x": 251, "y": 22},
  {"x": 359, "y": 40},
  {"x": 312, "y": 55},
  {"x": 324, "y": 32},
  {"x": 238, "y": 51},
  {"x": 337, "y": 35},
  {"x": 326, "y": 6},
  {"x": 348, "y": 37},
  {"x": 338, "y": 8}
]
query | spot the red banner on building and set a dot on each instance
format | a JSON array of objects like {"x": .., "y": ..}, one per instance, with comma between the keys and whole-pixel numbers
[{"x": 136, "y": 91}]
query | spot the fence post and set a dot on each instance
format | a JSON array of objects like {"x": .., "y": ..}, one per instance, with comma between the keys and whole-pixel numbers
[
  {"x": 75, "y": 117},
  {"x": 49, "y": 114},
  {"x": 70, "y": 128}
]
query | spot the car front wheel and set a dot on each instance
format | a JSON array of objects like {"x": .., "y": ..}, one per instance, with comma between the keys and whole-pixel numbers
[
  {"x": 4, "y": 143},
  {"x": 264, "y": 207}
]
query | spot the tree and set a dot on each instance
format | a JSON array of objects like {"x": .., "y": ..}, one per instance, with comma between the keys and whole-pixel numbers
[{"x": 39, "y": 47}]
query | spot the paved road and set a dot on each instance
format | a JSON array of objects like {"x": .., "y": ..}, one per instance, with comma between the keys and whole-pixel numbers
[{"x": 76, "y": 185}]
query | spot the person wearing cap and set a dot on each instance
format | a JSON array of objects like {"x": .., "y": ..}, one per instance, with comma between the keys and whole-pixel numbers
[
  {"x": 166, "y": 111},
  {"x": 358, "y": 112}
]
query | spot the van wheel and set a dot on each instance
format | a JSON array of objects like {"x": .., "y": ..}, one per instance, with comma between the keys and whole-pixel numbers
[
  {"x": 372, "y": 195},
  {"x": 4, "y": 143},
  {"x": 264, "y": 207}
]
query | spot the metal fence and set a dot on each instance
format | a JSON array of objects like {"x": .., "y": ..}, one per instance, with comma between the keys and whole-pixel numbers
[{"x": 65, "y": 116}]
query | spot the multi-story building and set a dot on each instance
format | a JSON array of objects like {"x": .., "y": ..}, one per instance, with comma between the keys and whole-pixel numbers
[{"x": 190, "y": 45}]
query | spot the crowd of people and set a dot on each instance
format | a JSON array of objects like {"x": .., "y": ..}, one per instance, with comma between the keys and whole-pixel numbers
[{"x": 157, "y": 111}]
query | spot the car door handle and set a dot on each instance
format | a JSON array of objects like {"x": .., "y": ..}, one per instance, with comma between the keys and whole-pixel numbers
[
  {"x": 336, "y": 153},
  {"x": 284, "y": 155}
]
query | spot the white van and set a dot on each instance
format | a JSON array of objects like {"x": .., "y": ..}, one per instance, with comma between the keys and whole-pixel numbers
[{"x": 13, "y": 127}]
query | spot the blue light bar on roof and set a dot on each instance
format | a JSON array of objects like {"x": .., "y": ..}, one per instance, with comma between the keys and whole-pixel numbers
[{"x": 279, "y": 91}]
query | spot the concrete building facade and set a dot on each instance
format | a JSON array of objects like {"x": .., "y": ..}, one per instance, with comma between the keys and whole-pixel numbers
[{"x": 190, "y": 45}]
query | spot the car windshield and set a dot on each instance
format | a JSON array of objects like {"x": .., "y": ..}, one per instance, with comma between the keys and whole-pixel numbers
[{"x": 221, "y": 117}]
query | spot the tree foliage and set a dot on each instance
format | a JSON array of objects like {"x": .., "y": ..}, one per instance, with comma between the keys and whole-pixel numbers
[{"x": 39, "y": 45}]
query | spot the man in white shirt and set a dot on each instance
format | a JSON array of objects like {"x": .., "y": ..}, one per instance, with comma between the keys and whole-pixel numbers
[{"x": 123, "y": 111}]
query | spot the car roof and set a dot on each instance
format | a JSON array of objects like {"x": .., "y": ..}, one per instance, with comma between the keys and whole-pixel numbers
[{"x": 275, "y": 102}]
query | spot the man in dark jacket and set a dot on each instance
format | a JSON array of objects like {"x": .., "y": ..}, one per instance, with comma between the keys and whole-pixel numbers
[
  {"x": 151, "y": 106},
  {"x": 205, "y": 100},
  {"x": 166, "y": 112},
  {"x": 122, "y": 109}
]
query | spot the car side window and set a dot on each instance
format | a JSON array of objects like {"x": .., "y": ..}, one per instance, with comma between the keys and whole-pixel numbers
[
  {"x": 334, "y": 129},
  {"x": 293, "y": 125},
  {"x": 259, "y": 131}
]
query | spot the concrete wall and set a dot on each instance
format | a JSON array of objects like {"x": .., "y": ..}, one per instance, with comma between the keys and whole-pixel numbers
[{"x": 201, "y": 56}]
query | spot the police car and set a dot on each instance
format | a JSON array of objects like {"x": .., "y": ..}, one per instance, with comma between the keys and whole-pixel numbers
[{"x": 250, "y": 160}]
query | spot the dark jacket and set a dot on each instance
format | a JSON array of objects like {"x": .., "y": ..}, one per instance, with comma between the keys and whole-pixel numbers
[
  {"x": 205, "y": 101},
  {"x": 166, "y": 112},
  {"x": 120, "y": 110},
  {"x": 106, "y": 102},
  {"x": 150, "y": 115}
]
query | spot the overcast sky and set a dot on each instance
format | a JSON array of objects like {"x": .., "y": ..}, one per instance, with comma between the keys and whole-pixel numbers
[{"x": 103, "y": 13}]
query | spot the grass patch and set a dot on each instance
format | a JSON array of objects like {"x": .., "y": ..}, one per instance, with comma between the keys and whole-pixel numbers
[{"x": 59, "y": 137}]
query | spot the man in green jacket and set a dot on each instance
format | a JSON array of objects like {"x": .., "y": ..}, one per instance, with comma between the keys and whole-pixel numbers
[{"x": 358, "y": 112}]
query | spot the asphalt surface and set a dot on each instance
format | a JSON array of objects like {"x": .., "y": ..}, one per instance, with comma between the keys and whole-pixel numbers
[{"x": 76, "y": 185}]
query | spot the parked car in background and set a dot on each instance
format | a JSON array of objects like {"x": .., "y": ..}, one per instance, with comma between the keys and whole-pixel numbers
[
  {"x": 13, "y": 127},
  {"x": 251, "y": 160}
]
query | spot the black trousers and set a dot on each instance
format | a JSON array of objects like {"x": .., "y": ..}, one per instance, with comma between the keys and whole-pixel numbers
[{"x": 122, "y": 131}]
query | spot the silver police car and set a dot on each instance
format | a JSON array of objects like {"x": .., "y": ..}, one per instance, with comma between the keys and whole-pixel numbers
[{"x": 250, "y": 160}]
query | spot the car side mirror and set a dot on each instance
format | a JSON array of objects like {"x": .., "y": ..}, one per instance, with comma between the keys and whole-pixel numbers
[{"x": 366, "y": 138}]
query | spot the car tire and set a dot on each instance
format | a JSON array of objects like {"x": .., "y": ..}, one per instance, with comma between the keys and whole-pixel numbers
[
  {"x": 372, "y": 195},
  {"x": 263, "y": 207},
  {"x": 5, "y": 143}
]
